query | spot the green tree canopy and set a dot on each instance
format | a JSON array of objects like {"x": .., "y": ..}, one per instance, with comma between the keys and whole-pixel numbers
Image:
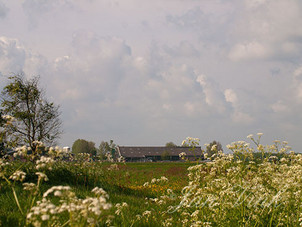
[
  {"x": 2, "y": 120},
  {"x": 213, "y": 148},
  {"x": 2, "y": 134},
  {"x": 166, "y": 155},
  {"x": 171, "y": 144},
  {"x": 83, "y": 146},
  {"x": 34, "y": 118},
  {"x": 106, "y": 147}
]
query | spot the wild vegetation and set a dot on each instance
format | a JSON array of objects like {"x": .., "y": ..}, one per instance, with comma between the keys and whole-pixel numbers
[{"x": 255, "y": 185}]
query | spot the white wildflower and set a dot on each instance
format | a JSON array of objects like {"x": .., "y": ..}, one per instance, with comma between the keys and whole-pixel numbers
[
  {"x": 182, "y": 155},
  {"x": 45, "y": 217},
  {"x": 100, "y": 192},
  {"x": 147, "y": 213},
  {"x": 42, "y": 176},
  {"x": 18, "y": 176},
  {"x": 153, "y": 181},
  {"x": 214, "y": 147},
  {"x": 163, "y": 178},
  {"x": 250, "y": 136},
  {"x": 57, "y": 193},
  {"x": 29, "y": 186}
]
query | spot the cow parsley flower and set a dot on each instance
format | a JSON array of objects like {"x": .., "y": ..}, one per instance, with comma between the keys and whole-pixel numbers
[
  {"x": 42, "y": 176},
  {"x": 18, "y": 176},
  {"x": 250, "y": 136}
]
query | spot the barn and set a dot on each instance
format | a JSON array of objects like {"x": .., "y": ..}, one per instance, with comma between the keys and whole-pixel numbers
[{"x": 153, "y": 154}]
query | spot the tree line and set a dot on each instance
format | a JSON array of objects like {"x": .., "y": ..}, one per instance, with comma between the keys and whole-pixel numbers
[{"x": 84, "y": 146}]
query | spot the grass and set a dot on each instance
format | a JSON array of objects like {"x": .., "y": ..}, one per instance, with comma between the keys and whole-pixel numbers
[
  {"x": 259, "y": 186},
  {"x": 123, "y": 184}
]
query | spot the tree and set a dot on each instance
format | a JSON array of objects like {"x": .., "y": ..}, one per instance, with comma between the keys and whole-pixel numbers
[
  {"x": 83, "y": 146},
  {"x": 165, "y": 155},
  {"x": 106, "y": 148},
  {"x": 2, "y": 134},
  {"x": 2, "y": 120},
  {"x": 213, "y": 148},
  {"x": 35, "y": 118},
  {"x": 171, "y": 144}
]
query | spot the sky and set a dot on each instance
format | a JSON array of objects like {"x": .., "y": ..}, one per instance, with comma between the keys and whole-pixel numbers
[{"x": 145, "y": 72}]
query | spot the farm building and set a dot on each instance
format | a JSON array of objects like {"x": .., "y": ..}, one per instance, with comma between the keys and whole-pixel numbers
[{"x": 143, "y": 154}]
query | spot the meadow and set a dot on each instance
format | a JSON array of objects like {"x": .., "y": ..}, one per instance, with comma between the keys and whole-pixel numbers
[{"x": 254, "y": 185}]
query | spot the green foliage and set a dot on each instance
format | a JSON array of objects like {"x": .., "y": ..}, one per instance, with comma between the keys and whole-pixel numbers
[
  {"x": 2, "y": 130},
  {"x": 33, "y": 117},
  {"x": 106, "y": 147},
  {"x": 166, "y": 155},
  {"x": 83, "y": 146},
  {"x": 123, "y": 184},
  {"x": 213, "y": 148},
  {"x": 2, "y": 122},
  {"x": 258, "y": 186},
  {"x": 171, "y": 144}
]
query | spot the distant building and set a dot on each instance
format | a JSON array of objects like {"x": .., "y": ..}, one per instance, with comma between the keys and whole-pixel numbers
[{"x": 153, "y": 154}]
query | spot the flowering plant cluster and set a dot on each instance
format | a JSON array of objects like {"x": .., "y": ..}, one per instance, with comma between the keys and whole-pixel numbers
[
  {"x": 242, "y": 189},
  {"x": 82, "y": 212},
  {"x": 162, "y": 179},
  {"x": 182, "y": 155},
  {"x": 252, "y": 185},
  {"x": 190, "y": 142}
]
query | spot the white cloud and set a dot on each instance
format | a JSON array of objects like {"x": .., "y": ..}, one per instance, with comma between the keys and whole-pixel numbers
[
  {"x": 141, "y": 64},
  {"x": 213, "y": 94},
  {"x": 36, "y": 10},
  {"x": 201, "y": 79},
  {"x": 238, "y": 116},
  {"x": 267, "y": 29},
  {"x": 3, "y": 10},
  {"x": 194, "y": 17},
  {"x": 248, "y": 51},
  {"x": 130, "y": 70},
  {"x": 242, "y": 118},
  {"x": 296, "y": 85},
  {"x": 190, "y": 108},
  {"x": 17, "y": 58},
  {"x": 298, "y": 73},
  {"x": 184, "y": 49},
  {"x": 88, "y": 44},
  {"x": 12, "y": 56},
  {"x": 299, "y": 92},
  {"x": 280, "y": 107},
  {"x": 95, "y": 66},
  {"x": 176, "y": 87},
  {"x": 230, "y": 96},
  {"x": 254, "y": 4},
  {"x": 167, "y": 107}
]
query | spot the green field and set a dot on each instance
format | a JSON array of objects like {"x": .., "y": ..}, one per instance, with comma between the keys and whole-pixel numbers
[{"x": 123, "y": 182}]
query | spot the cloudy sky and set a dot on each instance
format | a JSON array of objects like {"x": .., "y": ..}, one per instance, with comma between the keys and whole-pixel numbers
[{"x": 145, "y": 72}]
